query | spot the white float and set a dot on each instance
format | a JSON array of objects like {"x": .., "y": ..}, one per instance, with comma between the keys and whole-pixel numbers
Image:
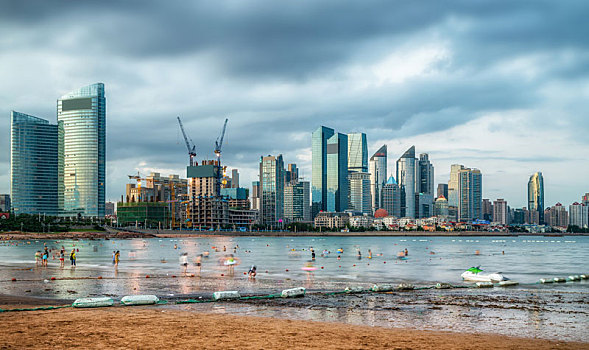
[
  {"x": 508, "y": 283},
  {"x": 139, "y": 299},
  {"x": 559, "y": 279},
  {"x": 546, "y": 280},
  {"x": 443, "y": 286},
  {"x": 293, "y": 292},
  {"x": 93, "y": 302},
  {"x": 382, "y": 288},
  {"x": 354, "y": 289},
  {"x": 405, "y": 286},
  {"x": 484, "y": 284},
  {"x": 224, "y": 295}
]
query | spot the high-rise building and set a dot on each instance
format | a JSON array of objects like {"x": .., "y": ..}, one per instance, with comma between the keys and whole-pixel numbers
[
  {"x": 556, "y": 216},
  {"x": 319, "y": 168},
  {"x": 470, "y": 194},
  {"x": 378, "y": 176},
  {"x": 442, "y": 191},
  {"x": 33, "y": 165},
  {"x": 536, "y": 195},
  {"x": 487, "y": 210},
  {"x": 256, "y": 195},
  {"x": 207, "y": 209},
  {"x": 81, "y": 115},
  {"x": 579, "y": 215},
  {"x": 357, "y": 152},
  {"x": 5, "y": 203},
  {"x": 424, "y": 187},
  {"x": 453, "y": 190},
  {"x": 272, "y": 188},
  {"x": 292, "y": 174},
  {"x": 441, "y": 207},
  {"x": 360, "y": 200},
  {"x": 337, "y": 173},
  {"x": 406, "y": 171},
  {"x": 500, "y": 212},
  {"x": 297, "y": 206},
  {"x": 585, "y": 199},
  {"x": 391, "y": 197},
  {"x": 234, "y": 178}
]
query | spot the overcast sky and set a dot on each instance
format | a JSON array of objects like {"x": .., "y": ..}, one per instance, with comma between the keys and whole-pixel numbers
[{"x": 501, "y": 85}]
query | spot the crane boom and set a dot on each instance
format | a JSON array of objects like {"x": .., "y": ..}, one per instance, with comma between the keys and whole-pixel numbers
[
  {"x": 191, "y": 150},
  {"x": 219, "y": 142}
]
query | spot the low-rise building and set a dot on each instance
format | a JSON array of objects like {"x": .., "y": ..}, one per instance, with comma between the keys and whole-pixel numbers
[
  {"x": 332, "y": 220},
  {"x": 359, "y": 221}
]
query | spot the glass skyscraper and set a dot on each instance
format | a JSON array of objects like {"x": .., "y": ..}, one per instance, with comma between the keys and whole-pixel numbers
[
  {"x": 337, "y": 173},
  {"x": 406, "y": 177},
  {"x": 357, "y": 152},
  {"x": 272, "y": 190},
  {"x": 33, "y": 165},
  {"x": 81, "y": 115},
  {"x": 378, "y": 176},
  {"x": 470, "y": 189},
  {"x": 319, "y": 169},
  {"x": 536, "y": 195}
]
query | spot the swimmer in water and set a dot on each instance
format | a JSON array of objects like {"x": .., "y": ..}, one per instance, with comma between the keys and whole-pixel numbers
[
  {"x": 406, "y": 252},
  {"x": 198, "y": 263},
  {"x": 359, "y": 255},
  {"x": 369, "y": 254},
  {"x": 252, "y": 272}
]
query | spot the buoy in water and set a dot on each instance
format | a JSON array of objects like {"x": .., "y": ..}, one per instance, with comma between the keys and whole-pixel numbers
[
  {"x": 14, "y": 280},
  {"x": 146, "y": 276},
  {"x": 53, "y": 278}
]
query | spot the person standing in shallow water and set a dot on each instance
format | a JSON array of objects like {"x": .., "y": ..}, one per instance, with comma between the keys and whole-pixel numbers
[
  {"x": 184, "y": 261},
  {"x": 73, "y": 258},
  {"x": 117, "y": 258}
]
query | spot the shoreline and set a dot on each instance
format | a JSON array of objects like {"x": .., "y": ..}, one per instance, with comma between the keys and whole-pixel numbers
[
  {"x": 116, "y": 234},
  {"x": 157, "y": 327}
]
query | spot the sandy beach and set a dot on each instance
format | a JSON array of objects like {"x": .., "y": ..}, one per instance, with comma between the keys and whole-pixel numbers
[{"x": 156, "y": 327}]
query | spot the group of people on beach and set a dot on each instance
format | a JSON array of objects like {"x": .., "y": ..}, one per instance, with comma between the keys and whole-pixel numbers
[{"x": 43, "y": 257}]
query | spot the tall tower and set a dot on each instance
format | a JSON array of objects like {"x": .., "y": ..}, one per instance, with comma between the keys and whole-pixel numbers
[
  {"x": 357, "y": 153},
  {"x": 425, "y": 187},
  {"x": 406, "y": 178},
  {"x": 337, "y": 173},
  {"x": 272, "y": 190},
  {"x": 33, "y": 165},
  {"x": 470, "y": 184},
  {"x": 536, "y": 195},
  {"x": 378, "y": 176},
  {"x": 319, "y": 168},
  {"x": 81, "y": 115}
]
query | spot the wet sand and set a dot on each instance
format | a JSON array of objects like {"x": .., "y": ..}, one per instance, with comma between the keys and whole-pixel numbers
[{"x": 156, "y": 327}]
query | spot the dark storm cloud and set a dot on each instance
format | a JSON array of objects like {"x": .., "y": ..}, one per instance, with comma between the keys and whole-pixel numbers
[{"x": 278, "y": 70}]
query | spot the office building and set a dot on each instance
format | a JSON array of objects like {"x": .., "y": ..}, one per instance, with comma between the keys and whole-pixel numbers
[
  {"x": 357, "y": 153},
  {"x": 585, "y": 199},
  {"x": 206, "y": 209},
  {"x": 378, "y": 176},
  {"x": 33, "y": 165},
  {"x": 5, "y": 203},
  {"x": 442, "y": 191},
  {"x": 579, "y": 215},
  {"x": 424, "y": 183},
  {"x": 109, "y": 209},
  {"x": 441, "y": 207},
  {"x": 359, "y": 190},
  {"x": 319, "y": 168},
  {"x": 406, "y": 172},
  {"x": 237, "y": 198},
  {"x": 292, "y": 174},
  {"x": 81, "y": 115},
  {"x": 143, "y": 214},
  {"x": 256, "y": 195},
  {"x": 536, "y": 195},
  {"x": 470, "y": 194},
  {"x": 272, "y": 191},
  {"x": 337, "y": 173},
  {"x": 453, "y": 189},
  {"x": 500, "y": 212},
  {"x": 297, "y": 205},
  {"x": 391, "y": 198},
  {"x": 234, "y": 178}
]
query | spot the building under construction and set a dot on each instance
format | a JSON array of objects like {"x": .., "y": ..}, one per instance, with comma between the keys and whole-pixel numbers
[{"x": 207, "y": 209}]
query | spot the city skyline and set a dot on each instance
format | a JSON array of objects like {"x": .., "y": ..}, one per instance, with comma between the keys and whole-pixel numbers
[{"x": 493, "y": 102}]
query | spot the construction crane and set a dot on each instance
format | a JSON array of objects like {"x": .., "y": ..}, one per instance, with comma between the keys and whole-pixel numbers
[
  {"x": 191, "y": 150},
  {"x": 218, "y": 145}
]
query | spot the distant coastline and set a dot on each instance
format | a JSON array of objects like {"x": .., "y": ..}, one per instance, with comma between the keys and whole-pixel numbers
[{"x": 120, "y": 234}]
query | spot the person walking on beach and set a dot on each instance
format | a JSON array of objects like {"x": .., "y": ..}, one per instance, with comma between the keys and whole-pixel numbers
[
  {"x": 62, "y": 257},
  {"x": 184, "y": 261},
  {"x": 45, "y": 257},
  {"x": 73, "y": 258}
]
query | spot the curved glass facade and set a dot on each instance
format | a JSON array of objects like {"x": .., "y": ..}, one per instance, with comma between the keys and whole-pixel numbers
[
  {"x": 33, "y": 165},
  {"x": 536, "y": 195},
  {"x": 81, "y": 116}
]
